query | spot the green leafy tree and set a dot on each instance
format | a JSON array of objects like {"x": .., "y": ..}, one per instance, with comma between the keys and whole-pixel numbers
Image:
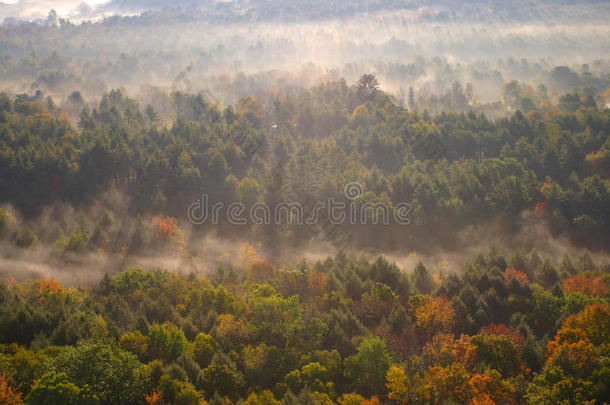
[
  {"x": 56, "y": 389},
  {"x": 113, "y": 376},
  {"x": 367, "y": 369},
  {"x": 222, "y": 377},
  {"x": 166, "y": 341},
  {"x": 25, "y": 237},
  {"x": 204, "y": 348}
]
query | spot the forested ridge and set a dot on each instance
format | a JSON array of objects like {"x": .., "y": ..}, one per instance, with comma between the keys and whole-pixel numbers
[{"x": 509, "y": 326}]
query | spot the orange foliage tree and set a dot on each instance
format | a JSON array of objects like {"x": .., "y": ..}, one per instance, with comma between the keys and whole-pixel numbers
[
  {"x": 595, "y": 287},
  {"x": 577, "y": 357},
  {"x": 514, "y": 273},
  {"x": 489, "y": 387},
  {"x": 455, "y": 383},
  {"x": 167, "y": 230},
  {"x": 541, "y": 208},
  {"x": 374, "y": 400},
  {"x": 316, "y": 283},
  {"x": 441, "y": 349},
  {"x": 47, "y": 289},
  {"x": 465, "y": 353},
  {"x": 154, "y": 398},
  {"x": 231, "y": 332},
  {"x": 484, "y": 399},
  {"x": 8, "y": 394},
  {"x": 594, "y": 321},
  {"x": 575, "y": 346},
  {"x": 166, "y": 226},
  {"x": 260, "y": 271},
  {"x": 434, "y": 315}
]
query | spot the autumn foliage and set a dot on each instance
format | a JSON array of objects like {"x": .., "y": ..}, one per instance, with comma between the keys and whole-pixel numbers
[
  {"x": 316, "y": 282},
  {"x": 541, "y": 208},
  {"x": 397, "y": 385},
  {"x": 261, "y": 270},
  {"x": 166, "y": 226},
  {"x": 434, "y": 314},
  {"x": 514, "y": 273},
  {"x": 580, "y": 341},
  {"x": 594, "y": 321},
  {"x": 49, "y": 288},
  {"x": 489, "y": 387},
  {"x": 340, "y": 332},
  {"x": 154, "y": 398},
  {"x": 167, "y": 230},
  {"x": 8, "y": 394},
  {"x": 502, "y": 330},
  {"x": 594, "y": 287},
  {"x": 374, "y": 400}
]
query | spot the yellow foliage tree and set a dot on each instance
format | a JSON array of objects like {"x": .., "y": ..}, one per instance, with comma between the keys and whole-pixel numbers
[
  {"x": 264, "y": 398},
  {"x": 350, "y": 399},
  {"x": 247, "y": 256},
  {"x": 396, "y": 382},
  {"x": 360, "y": 116},
  {"x": 434, "y": 315}
]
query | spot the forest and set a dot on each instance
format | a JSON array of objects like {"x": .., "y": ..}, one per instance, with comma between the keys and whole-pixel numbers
[
  {"x": 346, "y": 329},
  {"x": 548, "y": 166},
  {"x": 343, "y": 330},
  {"x": 272, "y": 203}
]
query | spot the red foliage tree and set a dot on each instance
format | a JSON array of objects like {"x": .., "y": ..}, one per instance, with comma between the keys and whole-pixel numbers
[
  {"x": 502, "y": 330},
  {"x": 166, "y": 226}
]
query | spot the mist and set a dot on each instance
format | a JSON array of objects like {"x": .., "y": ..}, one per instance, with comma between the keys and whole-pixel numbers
[
  {"x": 205, "y": 253},
  {"x": 417, "y": 47}
]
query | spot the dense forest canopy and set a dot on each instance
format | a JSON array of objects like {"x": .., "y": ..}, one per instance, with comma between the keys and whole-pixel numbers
[
  {"x": 275, "y": 202},
  {"x": 344, "y": 329},
  {"x": 550, "y": 165},
  {"x": 328, "y": 332}
]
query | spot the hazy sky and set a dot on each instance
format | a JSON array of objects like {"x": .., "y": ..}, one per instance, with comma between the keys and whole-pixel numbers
[{"x": 29, "y": 9}]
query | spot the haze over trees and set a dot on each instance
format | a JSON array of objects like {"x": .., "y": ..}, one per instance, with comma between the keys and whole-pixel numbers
[{"x": 160, "y": 165}]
